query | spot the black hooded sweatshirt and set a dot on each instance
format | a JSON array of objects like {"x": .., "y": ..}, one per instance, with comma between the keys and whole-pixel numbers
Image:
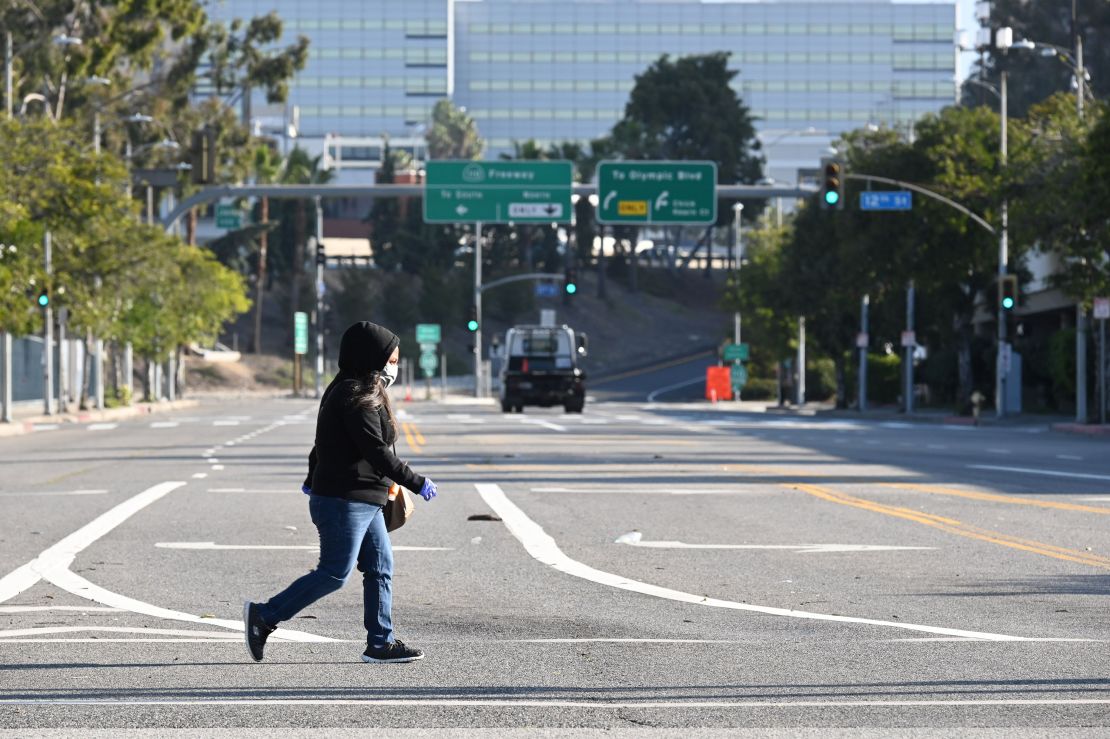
[{"x": 353, "y": 457}]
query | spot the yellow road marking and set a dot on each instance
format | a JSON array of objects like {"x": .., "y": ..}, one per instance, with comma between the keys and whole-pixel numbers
[
  {"x": 653, "y": 368},
  {"x": 997, "y": 498},
  {"x": 952, "y": 526},
  {"x": 408, "y": 428}
]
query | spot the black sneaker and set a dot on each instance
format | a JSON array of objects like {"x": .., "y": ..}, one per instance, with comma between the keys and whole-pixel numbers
[
  {"x": 255, "y": 630},
  {"x": 393, "y": 652}
]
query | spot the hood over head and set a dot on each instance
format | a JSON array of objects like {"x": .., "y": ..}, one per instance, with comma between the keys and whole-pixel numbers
[{"x": 365, "y": 347}]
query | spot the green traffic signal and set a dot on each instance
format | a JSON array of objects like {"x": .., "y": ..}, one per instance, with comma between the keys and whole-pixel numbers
[
  {"x": 571, "y": 288},
  {"x": 44, "y": 299},
  {"x": 472, "y": 325},
  {"x": 832, "y": 197},
  {"x": 1007, "y": 302}
]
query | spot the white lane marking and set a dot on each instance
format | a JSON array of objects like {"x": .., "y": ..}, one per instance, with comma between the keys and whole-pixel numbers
[
  {"x": 545, "y": 424},
  {"x": 211, "y": 545},
  {"x": 625, "y": 641},
  {"x": 111, "y": 640},
  {"x": 61, "y": 555},
  {"x": 1100, "y": 499},
  {"x": 53, "y": 564},
  {"x": 53, "y": 492},
  {"x": 67, "y": 580},
  {"x": 45, "y": 427},
  {"x": 1070, "y": 457},
  {"x": 1031, "y": 471},
  {"x": 457, "y": 416},
  {"x": 542, "y": 547},
  {"x": 896, "y": 425},
  {"x": 797, "y": 548},
  {"x": 637, "y": 419},
  {"x": 656, "y": 393},
  {"x": 217, "y": 467},
  {"x": 980, "y": 641},
  {"x": 548, "y": 703},
  {"x": 44, "y": 609},
  {"x": 210, "y": 459},
  {"x": 225, "y": 423},
  {"x": 102, "y": 426},
  {"x": 164, "y": 425},
  {"x": 200, "y": 475},
  {"x": 637, "y": 491},
  {"x": 42, "y": 630}
]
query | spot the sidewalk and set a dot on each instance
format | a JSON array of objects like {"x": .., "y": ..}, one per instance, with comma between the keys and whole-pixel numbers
[{"x": 27, "y": 415}]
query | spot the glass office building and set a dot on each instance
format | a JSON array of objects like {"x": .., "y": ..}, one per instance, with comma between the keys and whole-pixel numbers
[{"x": 562, "y": 70}]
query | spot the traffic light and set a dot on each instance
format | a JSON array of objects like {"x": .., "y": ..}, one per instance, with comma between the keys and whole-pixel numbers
[
  {"x": 570, "y": 283},
  {"x": 1008, "y": 292},
  {"x": 832, "y": 184},
  {"x": 472, "y": 324},
  {"x": 202, "y": 156},
  {"x": 44, "y": 299}
]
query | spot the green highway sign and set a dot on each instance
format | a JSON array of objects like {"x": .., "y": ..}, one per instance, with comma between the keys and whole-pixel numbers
[
  {"x": 300, "y": 333},
  {"x": 657, "y": 193},
  {"x": 429, "y": 363},
  {"x": 739, "y": 375},
  {"x": 737, "y": 352},
  {"x": 497, "y": 192},
  {"x": 228, "y": 216},
  {"x": 428, "y": 333}
]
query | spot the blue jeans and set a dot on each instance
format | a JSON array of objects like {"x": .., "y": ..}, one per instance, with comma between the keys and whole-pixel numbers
[{"x": 351, "y": 532}]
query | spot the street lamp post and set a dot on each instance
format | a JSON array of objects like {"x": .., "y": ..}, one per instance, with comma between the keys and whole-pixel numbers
[{"x": 737, "y": 210}]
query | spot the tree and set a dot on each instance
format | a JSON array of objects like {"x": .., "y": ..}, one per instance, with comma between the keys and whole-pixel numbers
[
  {"x": 1033, "y": 78},
  {"x": 453, "y": 134},
  {"x": 686, "y": 109}
]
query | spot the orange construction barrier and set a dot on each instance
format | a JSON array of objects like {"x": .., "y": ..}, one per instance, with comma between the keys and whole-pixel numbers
[{"x": 718, "y": 384}]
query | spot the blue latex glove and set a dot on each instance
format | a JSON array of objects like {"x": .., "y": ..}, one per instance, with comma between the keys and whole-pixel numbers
[
  {"x": 306, "y": 490},
  {"x": 429, "y": 490}
]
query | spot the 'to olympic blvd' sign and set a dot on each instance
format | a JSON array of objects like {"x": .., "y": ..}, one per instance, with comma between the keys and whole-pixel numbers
[
  {"x": 497, "y": 192},
  {"x": 657, "y": 192}
]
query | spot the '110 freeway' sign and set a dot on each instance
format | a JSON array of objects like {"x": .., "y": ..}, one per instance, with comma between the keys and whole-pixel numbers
[
  {"x": 497, "y": 192},
  {"x": 657, "y": 192}
]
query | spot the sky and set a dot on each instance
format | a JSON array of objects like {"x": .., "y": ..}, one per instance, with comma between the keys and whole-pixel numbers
[{"x": 965, "y": 21}]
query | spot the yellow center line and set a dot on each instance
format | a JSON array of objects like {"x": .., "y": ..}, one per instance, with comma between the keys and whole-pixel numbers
[
  {"x": 997, "y": 498},
  {"x": 958, "y": 528},
  {"x": 410, "y": 437}
]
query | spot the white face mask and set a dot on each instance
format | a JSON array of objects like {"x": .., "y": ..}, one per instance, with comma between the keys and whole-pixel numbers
[{"x": 389, "y": 374}]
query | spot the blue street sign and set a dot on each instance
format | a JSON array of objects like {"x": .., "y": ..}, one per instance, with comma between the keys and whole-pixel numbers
[
  {"x": 886, "y": 200},
  {"x": 546, "y": 290}
]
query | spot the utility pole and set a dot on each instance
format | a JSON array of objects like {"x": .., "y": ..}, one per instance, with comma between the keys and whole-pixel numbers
[
  {"x": 1003, "y": 268},
  {"x": 319, "y": 313},
  {"x": 478, "y": 309},
  {"x": 1080, "y": 364},
  {"x": 48, "y": 333},
  {"x": 909, "y": 349},
  {"x": 801, "y": 384},
  {"x": 737, "y": 211},
  {"x": 864, "y": 309}
]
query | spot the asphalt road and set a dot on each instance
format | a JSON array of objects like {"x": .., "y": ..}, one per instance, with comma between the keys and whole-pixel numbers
[
  {"x": 776, "y": 575},
  {"x": 674, "y": 380}
]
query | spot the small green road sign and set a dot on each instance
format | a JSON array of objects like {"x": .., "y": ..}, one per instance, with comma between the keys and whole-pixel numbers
[
  {"x": 737, "y": 352},
  {"x": 428, "y": 333},
  {"x": 429, "y": 363},
  {"x": 657, "y": 192},
  {"x": 300, "y": 333},
  {"x": 739, "y": 375},
  {"x": 497, "y": 192},
  {"x": 228, "y": 216}
]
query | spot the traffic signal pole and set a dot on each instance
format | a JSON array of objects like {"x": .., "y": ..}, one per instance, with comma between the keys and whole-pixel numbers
[
  {"x": 1003, "y": 268},
  {"x": 909, "y": 349},
  {"x": 48, "y": 334},
  {"x": 319, "y": 316},
  {"x": 478, "y": 309}
]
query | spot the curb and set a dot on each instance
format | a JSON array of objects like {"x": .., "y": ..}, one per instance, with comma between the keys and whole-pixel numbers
[
  {"x": 27, "y": 425},
  {"x": 1081, "y": 429}
]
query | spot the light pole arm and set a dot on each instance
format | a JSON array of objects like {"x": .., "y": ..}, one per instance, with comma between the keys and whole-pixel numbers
[
  {"x": 521, "y": 278},
  {"x": 926, "y": 192}
]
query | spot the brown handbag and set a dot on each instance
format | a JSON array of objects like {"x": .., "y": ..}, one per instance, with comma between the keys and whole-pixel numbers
[{"x": 398, "y": 508}]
